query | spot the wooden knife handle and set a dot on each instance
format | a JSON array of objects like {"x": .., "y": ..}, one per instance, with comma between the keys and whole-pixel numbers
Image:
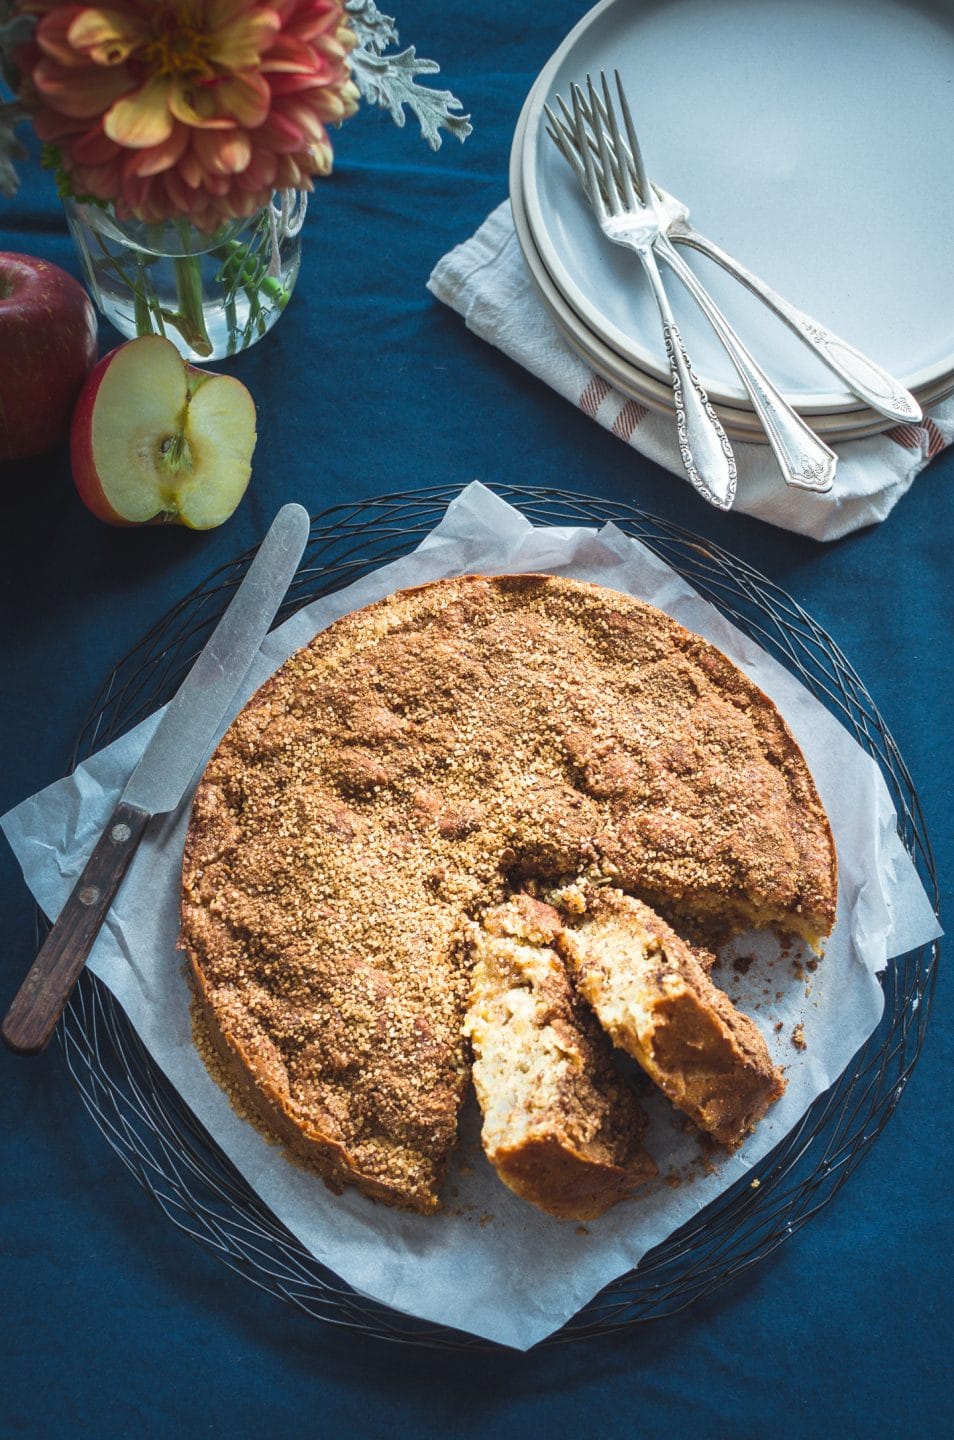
[{"x": 39, "y": 1002}]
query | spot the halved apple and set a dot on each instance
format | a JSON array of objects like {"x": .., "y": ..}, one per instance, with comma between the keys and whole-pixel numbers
[{"x": 154, "y": 440}]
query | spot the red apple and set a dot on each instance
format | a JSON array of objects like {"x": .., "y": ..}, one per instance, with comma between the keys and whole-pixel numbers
[
  {"x": 155, "y": 440},
  {"x": 47, "y": 345}
]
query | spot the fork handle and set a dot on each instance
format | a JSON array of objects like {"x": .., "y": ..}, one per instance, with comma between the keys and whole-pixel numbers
[
  {"x": 863, "y": 377},
  {"x": 804, "y": 460},
  {"x": 707, "y": 456},
  {"x": 703, "y": 444}
]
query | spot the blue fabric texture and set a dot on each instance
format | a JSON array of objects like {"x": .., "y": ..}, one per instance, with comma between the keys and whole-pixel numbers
[{"x": 113, "y": 1322}]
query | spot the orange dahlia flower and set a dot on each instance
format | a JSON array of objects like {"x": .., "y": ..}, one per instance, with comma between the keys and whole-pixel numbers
[{"x": 198, "y": 108}]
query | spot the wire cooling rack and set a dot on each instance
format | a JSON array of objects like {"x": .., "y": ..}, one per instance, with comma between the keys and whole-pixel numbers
[{"x": 198, "y": 1189}]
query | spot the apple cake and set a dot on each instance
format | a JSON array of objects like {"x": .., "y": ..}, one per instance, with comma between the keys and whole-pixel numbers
[
  {"x": 655, "y": 1001},
  {"x": 414, "y": 765},
  {"x": 560, "y": 1127}
]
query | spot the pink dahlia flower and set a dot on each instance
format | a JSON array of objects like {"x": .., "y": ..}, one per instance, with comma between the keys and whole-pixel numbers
[{"x": 199, "y": 108}]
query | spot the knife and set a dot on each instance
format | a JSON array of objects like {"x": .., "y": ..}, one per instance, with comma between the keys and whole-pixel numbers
[{"x": 178, "y": 746}]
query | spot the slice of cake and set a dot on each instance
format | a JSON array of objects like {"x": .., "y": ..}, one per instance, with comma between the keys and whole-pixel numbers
[
  {"x": 655, "y": 1000},
  {"x": 560, "y": 1127}
]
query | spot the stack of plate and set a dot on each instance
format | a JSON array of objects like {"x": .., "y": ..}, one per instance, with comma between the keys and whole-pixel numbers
[{"x": 810, "y": 140}]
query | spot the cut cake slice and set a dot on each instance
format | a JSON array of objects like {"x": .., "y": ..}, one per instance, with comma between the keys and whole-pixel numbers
[
  {"x": 560, "y": 1126},
  {"x": 654, "y": 999}
]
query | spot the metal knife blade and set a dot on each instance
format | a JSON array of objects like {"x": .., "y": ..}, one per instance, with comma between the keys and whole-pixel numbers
[
  {"x": 194, "y": 714},
  {"x": 178, "y": 745}
]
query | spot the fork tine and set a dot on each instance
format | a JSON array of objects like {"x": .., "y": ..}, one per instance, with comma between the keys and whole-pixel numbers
[
  {"x": 569, "y": 134},
  {"x": 583, "y": 150},
  {"x": 624, "y": 181},
  {"x": 567, "y": 124},
  {"x": 641, "y": 176},
  {"x": 627, "y": 157},
  {"x": 564, "y": 138},
  {"x": 564, "y": 142},
  {"x": 606, "y": 164}
]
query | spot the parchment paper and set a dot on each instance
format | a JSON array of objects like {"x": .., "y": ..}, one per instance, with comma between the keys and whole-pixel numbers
[{"x": 492, "y": 1264}]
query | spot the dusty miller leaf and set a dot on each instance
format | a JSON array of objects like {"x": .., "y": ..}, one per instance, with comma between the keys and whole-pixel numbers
[
  {"x": 15, "y": 30},
  {"x": 375, "y": 31},
  {"x": 10, "y": 149},
  {"x": 390, "y": 80}
]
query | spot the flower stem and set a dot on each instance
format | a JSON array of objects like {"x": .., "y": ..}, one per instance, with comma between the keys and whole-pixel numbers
[
  {"x": 242, "y": 268},
  {"x": 179, "y": 290},
  {"x": 190, "y": 320},
  {"x": 146, "y": 307}
]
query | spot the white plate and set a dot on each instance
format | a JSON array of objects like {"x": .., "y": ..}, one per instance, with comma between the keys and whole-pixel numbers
[
  {"x": 657, "y": 394},
  {"x": 810, "y": 138}
]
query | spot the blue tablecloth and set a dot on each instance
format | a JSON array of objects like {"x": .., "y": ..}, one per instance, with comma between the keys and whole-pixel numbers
[{"x": 114, "y": 1323}]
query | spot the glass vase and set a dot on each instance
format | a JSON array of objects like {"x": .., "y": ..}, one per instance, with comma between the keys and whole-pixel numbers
[{"x": 212, "y": 295}]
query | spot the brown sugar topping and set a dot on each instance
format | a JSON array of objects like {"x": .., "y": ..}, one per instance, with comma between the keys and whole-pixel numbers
[{"x": 400, "y": 774}]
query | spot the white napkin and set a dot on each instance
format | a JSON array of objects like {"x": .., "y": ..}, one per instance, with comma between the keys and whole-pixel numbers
[{"x": 486, "y": 280}]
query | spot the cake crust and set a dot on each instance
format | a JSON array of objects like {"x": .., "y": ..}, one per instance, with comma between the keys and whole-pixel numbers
[{"x": 409, "y": 768}]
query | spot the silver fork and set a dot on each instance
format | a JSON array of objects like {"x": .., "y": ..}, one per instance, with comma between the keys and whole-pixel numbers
[
  {"x": 867, "y": 380},
  {"x": 804, "y": 460},
  {"x": 705, "y": 450}
]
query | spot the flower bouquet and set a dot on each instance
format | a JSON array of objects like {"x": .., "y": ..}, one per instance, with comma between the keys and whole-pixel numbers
[{"x": 185, "y": 135}]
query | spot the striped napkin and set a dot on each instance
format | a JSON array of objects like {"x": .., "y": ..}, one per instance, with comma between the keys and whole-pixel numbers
[{"x": 487, "y": 282}]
